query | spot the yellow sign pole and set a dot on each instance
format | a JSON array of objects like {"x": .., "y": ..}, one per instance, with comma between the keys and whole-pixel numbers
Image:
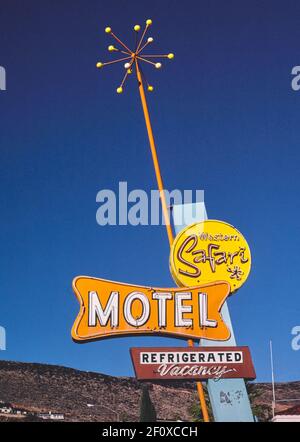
[
  {"x": 154, "y": 155},
  {"x": 133, "y": 57}
]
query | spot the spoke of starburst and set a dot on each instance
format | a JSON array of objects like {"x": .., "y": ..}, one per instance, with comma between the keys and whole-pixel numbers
[
  {"x": 120, "y": 88},
  {"x": 100, "y": 65},
  {"x": 124, "y": 52},
  {"x": 147, "y": 61},
  {"x": 121, "y": 43},
  {"x": 112, "y": 48},
  {"x": 135, "y": 42},
  {"x": 149, "y": 87},
  {"x": 142, "y": 38},
  {"x": 124, "y": 79},
  {"x": 128, "y": 71},
  {"x": 146, "y": 44},
  {"x": 156, "y": 65},
  {"x": 157, "y": 56}
]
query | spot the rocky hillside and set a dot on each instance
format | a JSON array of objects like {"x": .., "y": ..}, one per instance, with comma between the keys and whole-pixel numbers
[{"x": 88, "y": 396}]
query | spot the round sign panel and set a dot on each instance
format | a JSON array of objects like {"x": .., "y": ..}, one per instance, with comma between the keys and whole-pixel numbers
[{"x": 210, "y": 251}]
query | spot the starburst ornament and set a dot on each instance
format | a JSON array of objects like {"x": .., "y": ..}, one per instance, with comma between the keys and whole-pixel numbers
[{"x": 134, "y": 58}]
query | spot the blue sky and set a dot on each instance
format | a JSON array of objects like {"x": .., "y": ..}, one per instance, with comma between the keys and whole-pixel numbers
[{"x": 225, "y": 119}]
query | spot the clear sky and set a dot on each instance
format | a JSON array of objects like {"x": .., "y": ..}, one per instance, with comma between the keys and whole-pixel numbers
[{"x": 226, "y": 120}]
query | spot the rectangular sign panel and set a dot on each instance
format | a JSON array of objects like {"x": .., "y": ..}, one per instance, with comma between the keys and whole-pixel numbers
[
  {"x": 109, "y": 309},
  {"x": 178, "y": 363}
]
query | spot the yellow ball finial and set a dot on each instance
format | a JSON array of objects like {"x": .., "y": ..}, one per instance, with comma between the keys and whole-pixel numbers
[
  {"x": 137, "y": 28},
  {"x": 150, "y": 88},
  {"x": 99, "y": 65},
  {"x": 150, "y": 39},
  {"x": 158, "y": 65},
  {"x": 148, "y": 22},
  {"x": 108, "y": 30},
  {"x": 119, "y": 90},
  {"x": 129, "y": 71},
  {"x": 170, "y": 56},
  {"x": 111, "y": 48}
]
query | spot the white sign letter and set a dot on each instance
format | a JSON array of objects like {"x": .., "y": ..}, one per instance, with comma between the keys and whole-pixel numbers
[
  {"x": 136, "y": 322},
  {"x": 180, "y": 309},
  {"x": 203, "y": 319},
  {"x": 162, "y": 311},
  {"x": 96, "y": 311}
]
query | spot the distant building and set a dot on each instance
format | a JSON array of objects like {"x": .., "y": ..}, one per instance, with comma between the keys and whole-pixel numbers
[
  {"x": 19, "y": 411},
  {"x": 6, "y": 410},
  {"x": 57, "y": 416},
  {"x": 53, "y": 416},
  {"x": 290, "y": 415},
  {"x": 5, "y": 407}
]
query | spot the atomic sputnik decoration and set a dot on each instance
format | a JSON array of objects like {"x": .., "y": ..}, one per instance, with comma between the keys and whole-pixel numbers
[{"x": 135, "y": 57}]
